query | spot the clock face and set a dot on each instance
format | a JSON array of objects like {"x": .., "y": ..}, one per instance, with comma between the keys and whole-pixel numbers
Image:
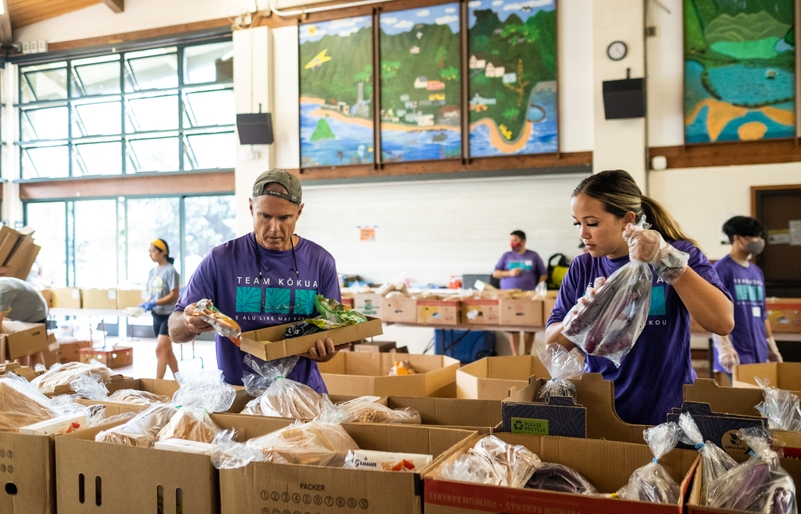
[{"x": 617, "y": 50}]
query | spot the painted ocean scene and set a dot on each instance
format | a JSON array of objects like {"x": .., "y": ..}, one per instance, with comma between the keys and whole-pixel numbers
[
  {"x": 739, "y": 70},
  {"x": 512, "y": 81},
  {"x": 420, "y": 84},
  {"x": 336, "y": 92}
]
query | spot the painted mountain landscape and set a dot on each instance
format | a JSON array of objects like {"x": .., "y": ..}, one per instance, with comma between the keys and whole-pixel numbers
[{"x": 739, "y": 70}]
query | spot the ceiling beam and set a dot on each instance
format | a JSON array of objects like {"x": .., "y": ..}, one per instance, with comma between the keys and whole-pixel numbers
[
  {"x": 115, "y": 5},
  {"x": 6, "y": 36}
]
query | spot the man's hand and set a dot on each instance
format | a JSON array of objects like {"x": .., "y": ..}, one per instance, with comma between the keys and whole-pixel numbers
[
  {"x": 324, "y": 351},
  {"x": 727, "y": 355},
  {"x": 515, "y": 272},
  {"x": 773, "y": 351},
  {"x": 193, "y": 322}
]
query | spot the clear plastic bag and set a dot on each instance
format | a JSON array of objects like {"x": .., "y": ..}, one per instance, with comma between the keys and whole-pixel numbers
[
  {"x": 191, "y": 424},
  {"x": 315, "y": 443},
  {"x": 88, "y": 387},
  {"x": 651, "y": 483},
  {"x": 493, "y": 462},
  {"x": 137, "y": 397},
  {"x": 205, "y": 389},
  {"x": 715, "y": 461},
  {"x": 63, "y": 374},
  {"x": 222, "y": 324},
  {"x": 21, "y": 404},
  {"x": 276, "y": 395},
  {"x": 560, "y": 478},
  {"x": 759, "y": 484},
  {"x": 141, "y": 430},
  {"x": 226, "y": 453},
  {"x": 562, "y": 365},
  {"x": 780, "y": 407},
  {"x": 366, "y": 411},
  {"x": 335, "y": 315}
]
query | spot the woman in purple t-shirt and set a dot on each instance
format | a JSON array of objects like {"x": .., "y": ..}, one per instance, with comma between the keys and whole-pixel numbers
[{"x": 648, "y": 383}]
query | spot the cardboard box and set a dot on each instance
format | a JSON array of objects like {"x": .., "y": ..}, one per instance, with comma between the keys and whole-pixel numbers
[
  {"x": 270, "y": 487},
  {"x": 368, "y": 304},
  {"x": 365, "y": 374},
  {"x": 71, "y": 350},
  {"x": 47, "y": 294},
  {"x": 605, "y": 464},
  {"x": 547, "y": 307},
  {"x": 18, "y": 369},
  {"x": 399, "y": 309},
  {"x": 269, "y": 343},
  {"x": 784, "y": 375},
  {"x": 784, "y": 314},
  {"x": 481, "y": 311},
  {"x": 131, "y": 298},
  {"x": 524, "y": 312},
  {"x": 99, "y": 298},
  {"x": 347, "y": 300},
  {"x": 67, "y": 297},
  {"x": 483, "y": 416},
  {"x": 491, "y": 378},
  {"x": 375, "y": 346},
  {"x": 53, "y": 353},
  {"x": 20, "y": 339},
  {"x": 8, "y": 239},
  {"x": 23, "y": 254},
  {"x": 27, "y": 472},
  {"x": 116, "y": 357},
  {"x": 439, "y": 312}
]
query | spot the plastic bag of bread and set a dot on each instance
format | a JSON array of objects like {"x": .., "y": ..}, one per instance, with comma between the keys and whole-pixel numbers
[
  {"x": 137, "y": 397},
  {"x": 401, "y": 368},
  {"x": 61, "y": 376},
  {"x": 191, "y": 424},
  {"x": 276, "y": 395},
  {"x": 361, "y": 410},
  {"x": 494, "y": 462},
  {"x": 141, "y": 430},
  {"x": 222, "y": 324},
  {"x": 86, "y": 386},
  {"x": 21, "y": 404}
]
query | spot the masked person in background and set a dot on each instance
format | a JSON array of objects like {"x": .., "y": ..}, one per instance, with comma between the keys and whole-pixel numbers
[
  {"x": 265, "y": 278},
  {"x": 751, "y": 340},
  {"x": 163, "y": 284},
  {"x": 520, "y": 269},
  {"x": 649, "y": 382},
  {"x": 19, "y": 301}
]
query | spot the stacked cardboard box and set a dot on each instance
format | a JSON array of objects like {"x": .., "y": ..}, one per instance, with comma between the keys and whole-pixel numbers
[
  {"x": 18, "y": 251},
  {"x": 67, "y": 297},
  {"x": 399, "y": 308},
  {"x": 127, "y": 298},
  {"x": 99, "y": 299},
  {"x": 18, "y": 339},
  {"x": 435, "y": 311},
  {"x": 784, "y": 314}
]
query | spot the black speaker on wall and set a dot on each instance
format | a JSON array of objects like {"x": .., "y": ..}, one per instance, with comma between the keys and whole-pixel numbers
[
  {"x": 624, "y": 98},
  {"x": 255, "y": 129}
]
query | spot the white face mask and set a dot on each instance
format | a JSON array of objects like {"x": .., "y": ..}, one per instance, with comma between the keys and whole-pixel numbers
[{"x": 755, "y": 247}]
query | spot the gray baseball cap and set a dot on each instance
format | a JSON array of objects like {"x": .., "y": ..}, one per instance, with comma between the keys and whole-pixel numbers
[{"x": 283, "y": 177}]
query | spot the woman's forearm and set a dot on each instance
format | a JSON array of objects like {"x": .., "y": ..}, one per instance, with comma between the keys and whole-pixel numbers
[{"x": 707, "y": 304}]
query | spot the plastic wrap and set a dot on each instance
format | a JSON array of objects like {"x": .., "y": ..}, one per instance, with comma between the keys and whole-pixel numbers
[
  {"x": 278, "y": 396},
  {"x": 205, "y": 389},
  {"x": 493, "y": 462},
  {"x": 191, "y": 424},
  {"x": 226, "y": 453},
  {"x": 651, "y": 483},
  {"x": 560, "y": 478},
  {"x": 780, "y": 407},
  {"x": 609, "y": 322},
  {"x": 63, "y": 375},
  {"x": 99, "y": 420},
  {"x": 222, "y": 324},
  {"x": 401, "y": 368},
  {"x": 366, "y": 411},
  {"x": 89, "y": 388},
  {"x": 759, "y": 484},
  {"x": 562, "y": 365},
  {"x": 141, "y": 430},
  {"x": 137, "y": 397},
  {"x": 316, "y": 443},
  {"x": 715, "y": 461},
  {"x": 21, "y": 404},
  {"x": 335, "y": 315}
]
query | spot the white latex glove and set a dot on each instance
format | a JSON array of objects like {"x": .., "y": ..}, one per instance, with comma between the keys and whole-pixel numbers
[
  {"x": 649, "y": 246},
  {"x": 582, "y": 302},
  {"x": 727, "y": 355},
  {"x": 773, "y": 351}
]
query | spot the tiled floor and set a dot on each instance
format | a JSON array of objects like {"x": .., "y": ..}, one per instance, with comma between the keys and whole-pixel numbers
[{"x": 144, "y": 357}]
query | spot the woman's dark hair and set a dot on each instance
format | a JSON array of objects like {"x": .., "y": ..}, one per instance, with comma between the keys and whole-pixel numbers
[
  {"x": 169, "y": 259},
  {"x": 743, "y": 226},
  {"x": 520, "y": 234},
  {"x": 619, "y": 193}
]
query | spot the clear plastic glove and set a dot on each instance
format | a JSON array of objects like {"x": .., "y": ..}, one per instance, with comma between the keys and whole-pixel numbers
[
  {"x": 148, "y": 306},
  {"x": 773, "y": 351},
  {"x": 649, "y": 246},
  {"x": 727, "y": 355},
  {"x": 582, "y": 302}
]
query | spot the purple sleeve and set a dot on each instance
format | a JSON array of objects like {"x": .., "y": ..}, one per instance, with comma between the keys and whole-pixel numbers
[
  {"x": 568, "y": 294},
  {"x": 501, "y": 263},
  {"x": 329, "y": 280},
  {"x": 701, "y": 265},
  {"x": 539, "y": 267},
  {"x": 199, "y": 285}
]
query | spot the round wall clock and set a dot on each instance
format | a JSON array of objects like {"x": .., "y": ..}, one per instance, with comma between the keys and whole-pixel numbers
[{"x": 617, "y": 50}]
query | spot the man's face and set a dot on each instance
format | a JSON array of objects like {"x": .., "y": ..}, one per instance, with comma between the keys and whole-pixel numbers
[{"x": 274, "y": 221}]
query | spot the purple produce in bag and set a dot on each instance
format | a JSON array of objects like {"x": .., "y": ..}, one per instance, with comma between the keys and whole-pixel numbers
[
  {"x": 652, "y": 483},
  {"x": 611, "y": 320},
  {"x": 715, "y": 461}
]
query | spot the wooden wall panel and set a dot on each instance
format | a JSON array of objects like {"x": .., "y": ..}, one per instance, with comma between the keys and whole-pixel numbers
[
  {"x": 729, "y": 154},
  {"x": 27, "y": 12}
]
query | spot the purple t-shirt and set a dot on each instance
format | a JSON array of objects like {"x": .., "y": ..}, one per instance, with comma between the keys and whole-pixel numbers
[
  {"x": 747, "y": 286},
  {"x": 532, "y": 269},
  {"x": 229, "y": 277},
  {"x": 648, "y": 383}
]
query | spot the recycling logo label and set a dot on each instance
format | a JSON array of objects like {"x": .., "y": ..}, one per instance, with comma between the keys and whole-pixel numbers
[{"x": 529, "y": 426}]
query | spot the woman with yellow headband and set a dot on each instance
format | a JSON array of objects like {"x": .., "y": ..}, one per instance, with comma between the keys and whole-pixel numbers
[{"x": 163, "y": 284}]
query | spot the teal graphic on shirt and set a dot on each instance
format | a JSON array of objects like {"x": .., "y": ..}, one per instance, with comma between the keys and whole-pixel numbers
[
  {"x": 248, "y": 299},
  {"x": 523, "y": 265},
  {"x": 747, "y": 293},
  {"x": 658, "y": 307},
  {"x": 276, "y": 300},
  {"x": 304, "y": 301}
]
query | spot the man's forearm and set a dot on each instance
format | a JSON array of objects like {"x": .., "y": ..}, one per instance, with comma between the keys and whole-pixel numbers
[{"x": 179, "y": 332}]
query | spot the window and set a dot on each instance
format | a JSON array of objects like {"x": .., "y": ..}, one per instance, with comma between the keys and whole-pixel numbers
[
  {"x": 92, "y": 243},
  {"x": 160, "y": 110}
]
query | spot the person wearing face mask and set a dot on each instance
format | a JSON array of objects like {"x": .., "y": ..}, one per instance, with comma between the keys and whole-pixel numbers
[
  {"x": 265, "y": 278},
  {"x": 649, "y": 382},
  {"x": 520, "y": 269},
  {"x": 751, "y": 340}
]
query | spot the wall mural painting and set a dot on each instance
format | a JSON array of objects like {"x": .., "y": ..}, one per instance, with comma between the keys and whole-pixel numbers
[
  {"x": 336, "y": 91},
  {"x": 739, "y": 70},
  {"x": 512, "y": 77},
  {"x": 420, "y": 84}
]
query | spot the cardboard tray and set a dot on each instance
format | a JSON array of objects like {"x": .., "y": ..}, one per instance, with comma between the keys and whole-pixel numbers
[
  {"x": 482, "y": 416},
  {"x": 269, "y": 343},
  {"x": 491, "y": 378}
]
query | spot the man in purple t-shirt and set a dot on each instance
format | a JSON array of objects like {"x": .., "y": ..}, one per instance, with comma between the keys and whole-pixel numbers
[
  {"x": 520, "y": 269},
  {"x": 265, "y": 278},
  {"x": 751, "y": 340}
]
